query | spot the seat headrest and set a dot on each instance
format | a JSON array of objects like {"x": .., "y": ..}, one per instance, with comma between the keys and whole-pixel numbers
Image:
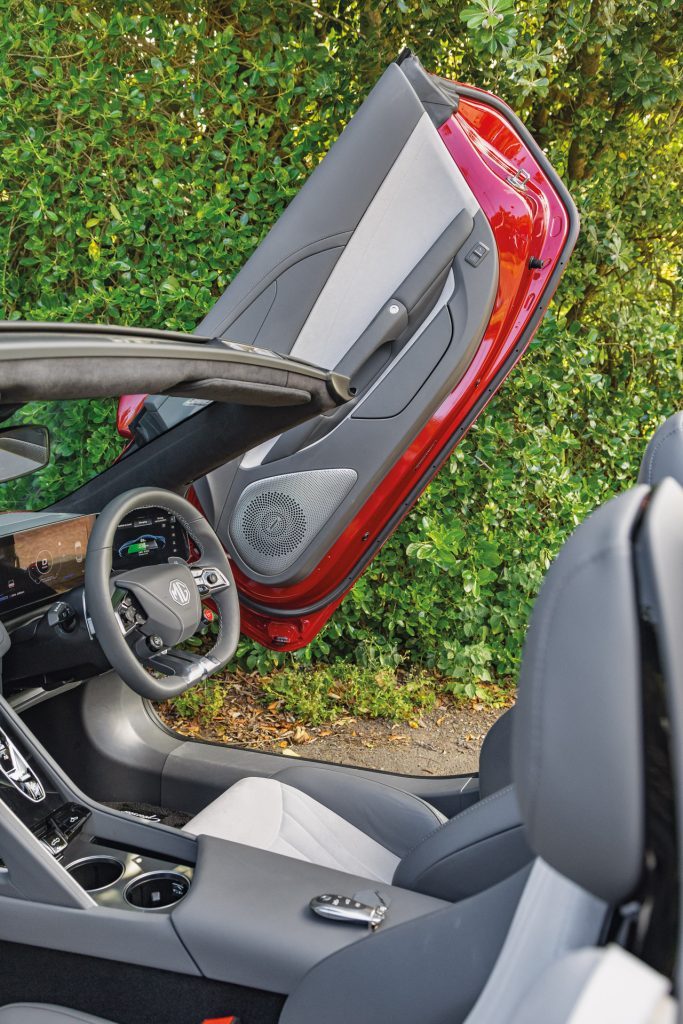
[
  {"x": 664, "y": 454},
  {"x": 577, "y": 744}
]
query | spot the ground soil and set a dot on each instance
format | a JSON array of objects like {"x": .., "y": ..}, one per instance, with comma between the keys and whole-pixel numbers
[{"x": 445, "y": 741}]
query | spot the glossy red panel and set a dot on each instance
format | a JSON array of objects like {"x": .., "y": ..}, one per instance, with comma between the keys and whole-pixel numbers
[{"x": 129, "y": 407}]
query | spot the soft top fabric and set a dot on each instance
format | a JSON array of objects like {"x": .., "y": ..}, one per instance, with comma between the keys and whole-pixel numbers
[{"x": 577, "y": 743}]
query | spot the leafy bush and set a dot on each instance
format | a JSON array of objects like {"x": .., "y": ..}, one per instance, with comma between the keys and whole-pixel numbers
[
  {"x": 146, "y": 150},
  {"x": 324, "y": 693},
  {"x": 83, "y": 442}
]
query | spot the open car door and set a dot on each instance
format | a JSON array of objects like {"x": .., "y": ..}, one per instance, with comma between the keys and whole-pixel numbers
[{"x": 418, "y": 259}]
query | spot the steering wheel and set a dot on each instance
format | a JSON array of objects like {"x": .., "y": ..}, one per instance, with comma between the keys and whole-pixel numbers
[{"x": 141, "y": 616}]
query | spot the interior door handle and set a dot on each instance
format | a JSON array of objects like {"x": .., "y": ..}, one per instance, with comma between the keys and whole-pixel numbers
[{"x": 387, "y": 326}]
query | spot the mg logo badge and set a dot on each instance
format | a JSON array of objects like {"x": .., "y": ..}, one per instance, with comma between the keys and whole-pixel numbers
[{"x": 180, "y": 592}]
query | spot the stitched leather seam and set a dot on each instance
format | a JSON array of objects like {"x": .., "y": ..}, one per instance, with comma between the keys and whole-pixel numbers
[{"x": 653, "y": 457}]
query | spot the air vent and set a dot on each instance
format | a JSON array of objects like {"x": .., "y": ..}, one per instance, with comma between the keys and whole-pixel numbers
[{"x": 274, "y": 519}]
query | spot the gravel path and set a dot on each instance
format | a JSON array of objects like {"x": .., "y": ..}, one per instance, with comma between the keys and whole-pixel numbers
[{"x": 445, "y": 741}]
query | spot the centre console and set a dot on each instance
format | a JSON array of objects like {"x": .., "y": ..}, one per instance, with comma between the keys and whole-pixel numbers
[
  {"x": 111, "y": 872},
  {"x": 96, "y": 881}
]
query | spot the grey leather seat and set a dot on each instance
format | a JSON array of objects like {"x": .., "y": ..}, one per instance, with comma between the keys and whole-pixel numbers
[
  {"x": 598, "y": 986},
  {"x": 664, "y": 454},
  {"x": 580, "y": 764},
  {"x": 579, "y": 767},
  {"x": 663, "y": 457},
  {"x": 41, "y": 1013},
  {"x": 372, "y": 829}
]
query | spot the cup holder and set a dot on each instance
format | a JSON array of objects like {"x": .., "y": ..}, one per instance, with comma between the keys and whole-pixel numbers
[
  {"x": 95, "y": 873},
  {"x": 156, "y": 890}
]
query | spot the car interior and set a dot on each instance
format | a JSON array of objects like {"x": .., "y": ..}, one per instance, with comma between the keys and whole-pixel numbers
[
  {"x": 146, "y": 876},
  {"x": 570, "y": 867}
]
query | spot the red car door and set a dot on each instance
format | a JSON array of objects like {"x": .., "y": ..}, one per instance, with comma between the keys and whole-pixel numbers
[{"x": 418, "y": 259}]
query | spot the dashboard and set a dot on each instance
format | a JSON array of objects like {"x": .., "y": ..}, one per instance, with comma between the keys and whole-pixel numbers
[{"x": 40, "y": 563}]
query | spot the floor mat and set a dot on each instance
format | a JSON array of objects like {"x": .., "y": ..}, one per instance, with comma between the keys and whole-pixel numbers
[{"x": 174, "y": 819}]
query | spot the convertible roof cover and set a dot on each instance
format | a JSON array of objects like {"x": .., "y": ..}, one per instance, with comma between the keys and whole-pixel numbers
[{"x": 68, "y": 361}]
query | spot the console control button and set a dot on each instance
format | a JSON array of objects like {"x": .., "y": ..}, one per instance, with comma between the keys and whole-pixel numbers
[
  {"x": 55, "y": 842},
  {"x": 70, "y": 819}
]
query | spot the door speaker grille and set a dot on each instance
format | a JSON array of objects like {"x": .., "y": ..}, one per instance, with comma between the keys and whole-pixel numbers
[{"x": 274, "y": 519}]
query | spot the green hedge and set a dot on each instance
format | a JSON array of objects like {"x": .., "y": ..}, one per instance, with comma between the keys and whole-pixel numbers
[{"x": 146, "y": 149}]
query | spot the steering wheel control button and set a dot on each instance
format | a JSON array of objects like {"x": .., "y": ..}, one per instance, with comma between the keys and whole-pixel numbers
[
  {"x": 208, "y": 579},
  {"x": 349, "y": 909}
]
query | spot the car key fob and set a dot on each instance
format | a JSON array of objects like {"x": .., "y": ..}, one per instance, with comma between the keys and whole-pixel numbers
[{"x": 346, "y": 908}]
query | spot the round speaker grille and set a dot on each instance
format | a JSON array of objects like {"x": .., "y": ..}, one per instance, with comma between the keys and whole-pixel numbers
[
  {"x": 274, "y": 524},
  {"x": 275, "y": 519}
]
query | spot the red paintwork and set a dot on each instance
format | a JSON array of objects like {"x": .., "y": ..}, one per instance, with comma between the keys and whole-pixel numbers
[
  {"x": 129, "y": 407},
  {"x": 535, "y": 222},
  {"x": 487, "y": 150}
]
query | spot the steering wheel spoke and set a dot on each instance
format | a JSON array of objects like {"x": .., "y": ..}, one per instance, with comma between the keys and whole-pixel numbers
[
  {"x": 128, "y": 611},
  {"x": 183, "y": 665}
]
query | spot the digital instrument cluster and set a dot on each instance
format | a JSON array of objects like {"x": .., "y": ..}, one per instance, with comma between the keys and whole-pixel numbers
[{"x": 40, "y": 563}]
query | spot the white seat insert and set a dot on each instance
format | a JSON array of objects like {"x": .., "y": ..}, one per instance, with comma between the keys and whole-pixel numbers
[{"x": 272, "y": 816}]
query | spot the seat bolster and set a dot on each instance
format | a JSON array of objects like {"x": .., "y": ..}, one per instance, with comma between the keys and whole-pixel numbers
[
  {"x": 394, "y": 819},
  {"x": 473, "y": 851},
  {"x": 41, "y": 1013},
  {"x": 495, "y": 759}
]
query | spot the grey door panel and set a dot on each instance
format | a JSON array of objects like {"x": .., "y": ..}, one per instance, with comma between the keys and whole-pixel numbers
[
  {"x": 371, "y": 437},
  {"x": 366, "y": 273},
  {"x": 333, "y": 200}
]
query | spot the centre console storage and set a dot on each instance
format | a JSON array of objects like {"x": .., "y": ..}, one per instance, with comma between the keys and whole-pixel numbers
[
  {"x": 125, "y": 880},
  {"x": 247, "y": 918},
  {"x": 96, "y": 873},
  {"x": 158, "y": 890}
]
